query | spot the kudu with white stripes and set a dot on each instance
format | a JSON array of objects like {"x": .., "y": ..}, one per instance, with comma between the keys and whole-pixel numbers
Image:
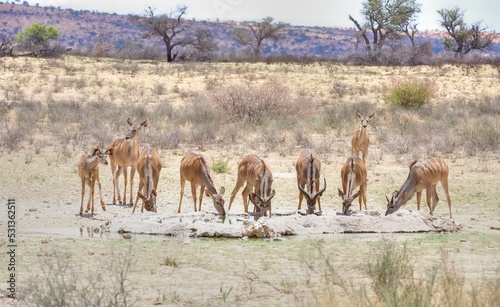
[
  {"x": 259, "y": 178},
  {"x": 308, "y": 168},
  {"x": 88, "y": 170},
  {"x": 194, "y": 169},
  {"x": 424, "y": 175},
  {"x": 125, "y": 154},
  {"x": 353, "y": 175},
  {"x": 360, "y": 140},
  {"x": 148, "y": 167}
]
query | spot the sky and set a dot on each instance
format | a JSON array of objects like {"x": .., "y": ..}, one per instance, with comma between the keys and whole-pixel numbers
[{"x": 328, "y": 13}]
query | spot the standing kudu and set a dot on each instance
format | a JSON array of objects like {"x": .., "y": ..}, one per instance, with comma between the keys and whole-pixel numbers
[
  {"x": 88, "y": 170},
  {"x": 360, "y": 140},
  {"x": 148, "y": 167},
  {"x": 125, "y": 154},
  {"x": 353, "y": 175},
  {"x": 308, "y": 168},
  {"x": 424, "y": 174},
  {"x": 257, "y": 175},
  {"x": 195, "y": 170}
]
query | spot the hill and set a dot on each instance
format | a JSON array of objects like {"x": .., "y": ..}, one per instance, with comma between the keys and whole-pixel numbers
[{"x": 81, "y": 30}]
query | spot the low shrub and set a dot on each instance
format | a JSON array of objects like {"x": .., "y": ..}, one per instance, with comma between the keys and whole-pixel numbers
[{"x": 410, "y": 93}]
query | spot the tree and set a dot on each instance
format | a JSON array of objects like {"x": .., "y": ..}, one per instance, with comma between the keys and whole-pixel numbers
[
  {"x": 5, "y": 46},
  {"x": 461, "y": 37},
  {"x": 39, "y": 39},
  {"x": 172, "y": 30},
  {"x": 258, "y": 32},
  {"x": 386, "y": 19}
]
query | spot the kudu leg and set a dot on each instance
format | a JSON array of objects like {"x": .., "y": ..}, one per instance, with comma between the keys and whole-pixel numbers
[{"x": 183, "y": 181}]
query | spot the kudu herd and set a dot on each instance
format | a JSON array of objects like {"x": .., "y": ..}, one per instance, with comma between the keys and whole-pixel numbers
[{"x": 256, "y": 175}]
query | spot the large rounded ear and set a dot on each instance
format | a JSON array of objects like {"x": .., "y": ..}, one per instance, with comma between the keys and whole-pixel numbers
[
  {"x": 141, "y": 196},
  {"x": 356, "y": 194},
  {"x": 395, "y": 194},
  {"x": 371, "y": 115},
  {"x": 129, "y": 122},
  {"x": 109, "y": 151},
  {"x": 271, "y": 195},
  {"x": 144, "y": 123},
  {"x": 96, "y": 150},
  {"x": 254, "y": 198},
  {"x": 341, "y": 194}
]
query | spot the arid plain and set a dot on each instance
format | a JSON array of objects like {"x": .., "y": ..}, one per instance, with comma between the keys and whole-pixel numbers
[{"x": 53, "y": 110}]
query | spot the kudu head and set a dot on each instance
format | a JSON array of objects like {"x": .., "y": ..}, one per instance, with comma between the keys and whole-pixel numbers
[
  {"x": 149, "y": 201},
  {"x": 347, "y": 200},
  {"x": 394, "y": 203},
  {"x": 102, "y": 156},
  {"x": 365, "y": 120},
  {"x": 311, "y": 199},
  {"x": 263, "y": 203},
  {"x": 218, "y": 200},
  {"x": 134, "y": 129}
]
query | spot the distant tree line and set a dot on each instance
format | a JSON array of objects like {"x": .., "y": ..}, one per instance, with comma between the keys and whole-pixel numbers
[{"x": 387, "y": 34}]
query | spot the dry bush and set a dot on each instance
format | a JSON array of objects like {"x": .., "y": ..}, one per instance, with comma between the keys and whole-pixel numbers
[{"x": 251, "y": 103}]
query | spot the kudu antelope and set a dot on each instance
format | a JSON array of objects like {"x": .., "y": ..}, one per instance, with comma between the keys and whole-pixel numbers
[
  {"x": 360, "y": 140},
  {"x": 257, "y": 175},
  {"x": 88, "y": 170},
  {"x": 424, "y": 174},
  {"x": 195, "y": 170},
  {"x": 125, "y": 154},
  {"x": 148, "y": 167},
  {"x": 353, "y": 175},
  {"x": 308, "y": 168}
]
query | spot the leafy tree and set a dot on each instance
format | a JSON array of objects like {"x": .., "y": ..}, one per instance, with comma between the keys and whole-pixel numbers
[
  {"x": 257, "y": 32},
  {"x": 39, "y": 39},
  {"x": 386, "y": 19},
  {"x": 462, "y": 38},
  {"x": 173, "y": 31}
]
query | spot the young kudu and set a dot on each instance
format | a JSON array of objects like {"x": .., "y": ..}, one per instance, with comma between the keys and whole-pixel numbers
[
  {"x": 424, "y": 174},
  {"x": 360, "y": 140},
  {"x": 88, "y": 170},
  {"x": 257, "y": 175},
  {"x": 353, "y": 175},
  {"x": 125, "y": 154},
  {"x": 195, "y": 170},
  {"x": 308, "y": 168},
  {"x": 148, "y": 167}
]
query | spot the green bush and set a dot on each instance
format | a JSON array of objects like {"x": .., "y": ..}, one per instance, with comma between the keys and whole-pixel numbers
[
  {"x": 410, "y": 93},
  {"x": 220, "y": 166}
]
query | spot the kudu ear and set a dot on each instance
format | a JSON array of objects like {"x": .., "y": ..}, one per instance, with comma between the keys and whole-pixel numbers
[
  {"x": 356, "y": 194},
  {"x": 395, "y": 194},
  {"x": 371, "y": 115},
  {"x": 109, "y": 151},
  {"x": 272, "y": 194},
  {"x": 222, "y": 190},
  {"x": 141, "y": 196},
  {"x": 129, "y": 122},
  {"x": 359, "y": 114},
  {"x": 96, "y": 150},
  {"x": 341, "y": 194},
  {"x": 254, "y": 198},
  {"x": 144, "y": 123}
]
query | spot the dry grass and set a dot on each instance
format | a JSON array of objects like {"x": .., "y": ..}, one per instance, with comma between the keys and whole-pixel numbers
[{"x": 71, "y": 104}]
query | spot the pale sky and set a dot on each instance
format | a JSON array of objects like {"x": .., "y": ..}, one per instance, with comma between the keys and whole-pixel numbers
[{"x": 329, "y": 13}]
